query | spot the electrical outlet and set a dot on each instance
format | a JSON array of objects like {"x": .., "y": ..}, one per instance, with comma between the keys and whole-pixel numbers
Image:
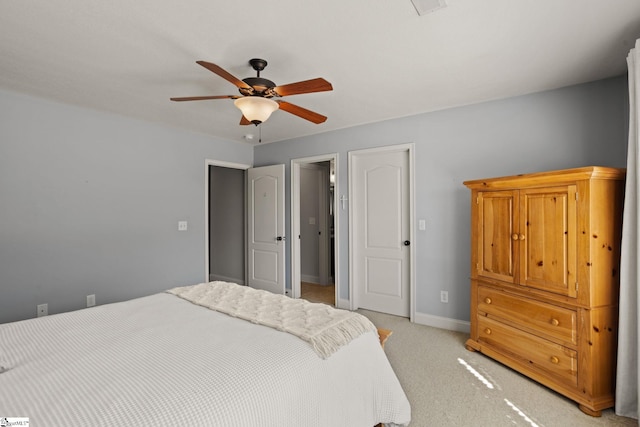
[
  {"x": 43, "y": 310},
  {"x": 444, "y": 296},
  {"x": 91, "y": 300},
  {"x": 182, "y": 225}
]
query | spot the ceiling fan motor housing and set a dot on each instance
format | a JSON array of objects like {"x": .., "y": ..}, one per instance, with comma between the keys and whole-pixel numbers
[{"x": 259, "y": 86}]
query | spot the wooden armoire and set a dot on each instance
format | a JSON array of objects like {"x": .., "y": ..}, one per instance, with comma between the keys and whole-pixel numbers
[{"x": 545, "y": 256}]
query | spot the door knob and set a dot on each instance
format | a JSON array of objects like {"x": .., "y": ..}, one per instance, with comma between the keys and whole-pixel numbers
[
  {"x": 280, "y": 238},
  {"x": 407, "y": 243}
]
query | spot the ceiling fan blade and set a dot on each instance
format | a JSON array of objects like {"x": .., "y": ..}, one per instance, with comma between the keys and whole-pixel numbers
[
  {"x": 307, "y": 86},
  {"x": 202, "y": 98},
  {"x": 302, "y": 112},
  {"x": 224, "y": 74},
  {"x": 244, "y": 121}
]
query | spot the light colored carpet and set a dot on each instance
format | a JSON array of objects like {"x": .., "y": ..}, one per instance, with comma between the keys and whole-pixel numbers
[{"x": 450, "y": 386}]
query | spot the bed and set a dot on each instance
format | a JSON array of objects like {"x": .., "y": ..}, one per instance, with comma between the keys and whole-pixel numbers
[{"x": 166, "y": 359}]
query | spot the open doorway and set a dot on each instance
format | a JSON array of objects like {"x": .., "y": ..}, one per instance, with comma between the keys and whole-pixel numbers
[
  {"x": 225, "y": 224},
  {"x": 313, "y": 220}
]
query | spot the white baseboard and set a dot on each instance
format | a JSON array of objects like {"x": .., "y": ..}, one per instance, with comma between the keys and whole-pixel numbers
[
  {"x": 310, "y": 279},
  {"x": 426, "y": 319},
  {"x": 344, "y": 304},
  {"x": 442, "y": 322},
  {"x": 214, "y": 277}
]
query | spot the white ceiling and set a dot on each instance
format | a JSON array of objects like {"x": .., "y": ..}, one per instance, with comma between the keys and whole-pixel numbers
[{"x": 383, "y": 59}]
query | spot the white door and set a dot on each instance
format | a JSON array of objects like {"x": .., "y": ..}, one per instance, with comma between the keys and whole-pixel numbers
[
  {"x": 381, "y": 232},
  {"x": 265, "y": 228}
]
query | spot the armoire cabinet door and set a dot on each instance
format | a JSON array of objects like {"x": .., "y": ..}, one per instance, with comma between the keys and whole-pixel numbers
[
  {"x": 497, "y": 211},
  {"x": 547, "y": 239}
]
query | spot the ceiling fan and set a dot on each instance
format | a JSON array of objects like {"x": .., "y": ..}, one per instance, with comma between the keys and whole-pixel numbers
[{"x": 256, "y": 102}]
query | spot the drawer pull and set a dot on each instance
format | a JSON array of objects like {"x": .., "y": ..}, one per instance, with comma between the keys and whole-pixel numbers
[
  {"x": 514, "y": 236},
  {"x": 555, "y": 360},
  {"x": 522, "y": 237},
  {"x": 487, "y": 331},
  {"x": 487, "y": 300},
  {"x": 555, "y": 322}
]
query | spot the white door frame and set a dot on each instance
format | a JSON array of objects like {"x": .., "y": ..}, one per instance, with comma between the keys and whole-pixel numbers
[
  {"x": 353, "y": 294},
  {"x": 207, "y": 163},
  {"x": 295, "y": 222}
]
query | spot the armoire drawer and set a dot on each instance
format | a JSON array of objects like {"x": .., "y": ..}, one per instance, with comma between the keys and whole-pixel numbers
[
  {"x": 556, "y": 322},
  {"x": 558, "y": 360}
]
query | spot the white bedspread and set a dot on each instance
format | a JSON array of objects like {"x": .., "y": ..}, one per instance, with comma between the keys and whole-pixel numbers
[{"x": 160, "y": 361}]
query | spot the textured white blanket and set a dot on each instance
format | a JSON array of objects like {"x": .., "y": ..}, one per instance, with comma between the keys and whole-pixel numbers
[{"x": 324, "y": 327}]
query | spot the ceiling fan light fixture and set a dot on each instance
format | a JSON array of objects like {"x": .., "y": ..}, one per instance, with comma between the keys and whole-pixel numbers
[{"x": 256, "y": 109}]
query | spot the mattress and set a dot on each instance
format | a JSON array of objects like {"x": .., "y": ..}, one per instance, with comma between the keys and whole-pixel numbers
[{"x": 161, "y": 360}]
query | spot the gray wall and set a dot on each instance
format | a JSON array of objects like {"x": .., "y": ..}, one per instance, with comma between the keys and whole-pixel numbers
[
  {"x": 89, "y": 201},
  {"x": 89, "y": 204},
  {"x": 569, "y": 127}
]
